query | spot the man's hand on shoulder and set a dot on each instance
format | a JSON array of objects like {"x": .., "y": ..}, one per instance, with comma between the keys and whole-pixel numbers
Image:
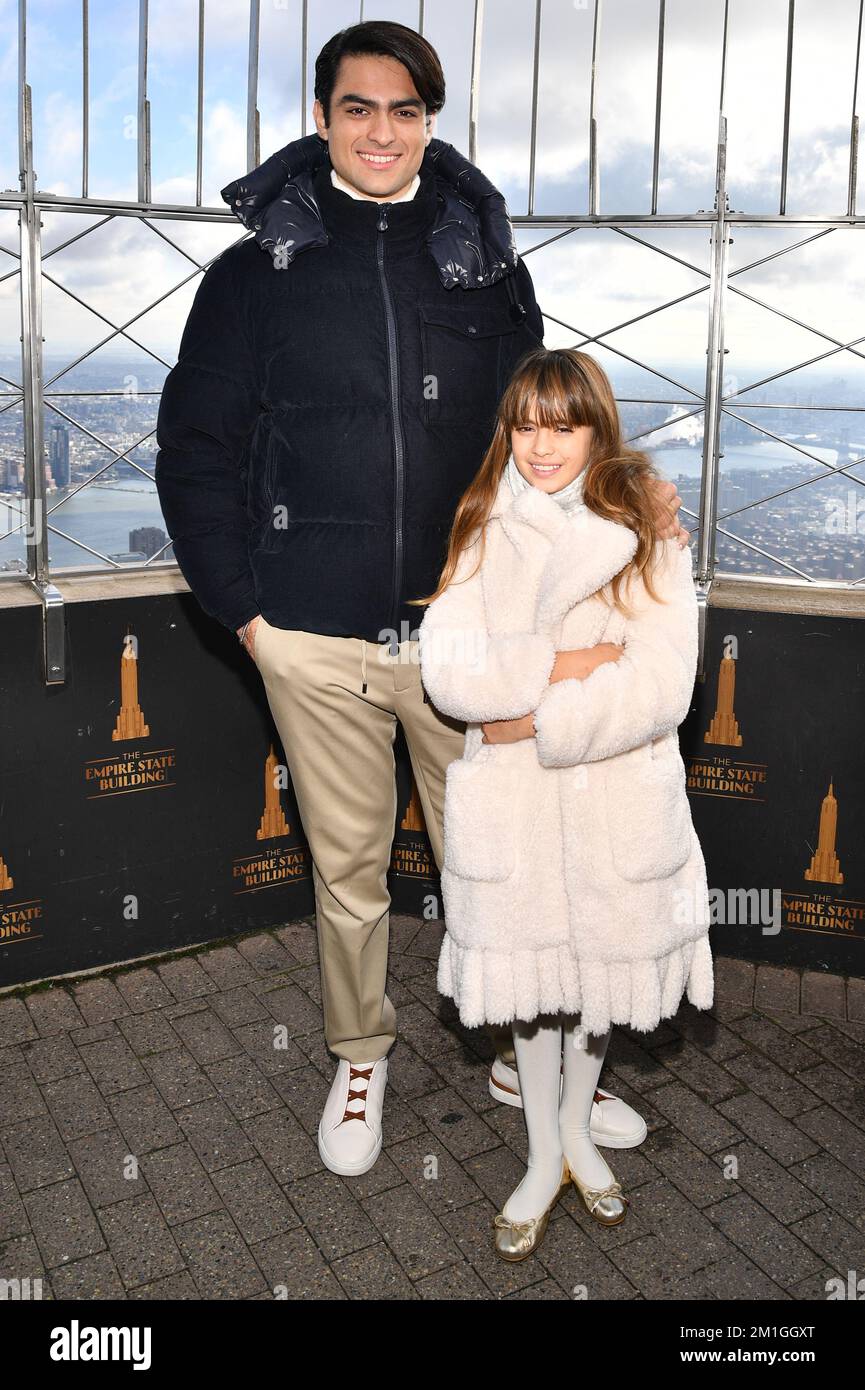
[{"x": 667, "y": 503}]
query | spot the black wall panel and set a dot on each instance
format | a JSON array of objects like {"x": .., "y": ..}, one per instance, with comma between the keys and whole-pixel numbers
[{"x": 114, "y": 848}]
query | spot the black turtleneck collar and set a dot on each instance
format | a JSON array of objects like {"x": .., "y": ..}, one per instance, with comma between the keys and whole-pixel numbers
[{"x": 357, "y": 218}]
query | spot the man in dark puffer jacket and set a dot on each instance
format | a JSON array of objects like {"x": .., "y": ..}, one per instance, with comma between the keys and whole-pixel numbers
[{"x": 314, "y": 439}]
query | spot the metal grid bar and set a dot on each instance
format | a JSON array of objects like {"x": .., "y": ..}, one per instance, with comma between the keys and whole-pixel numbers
[
  {"x": 533, "y": 137},
  {"x": 474, "y": 84},
  {"x": 594, "y": 170},
  {"x": 659, "y": 81},
  {"x": 788, "y": 76},
  {"x": 547, "y": 220},
  {"x": 85, "y": 96},
  {"x": 199, "y": 108},
  {"x": 714, "y": 370},
  {"x": 31, "y": 322},
  {"x": 144, "y": 189},
  {"x": 854, "y": 120},
  {"x": 304, "y": 63},
  {"x": 252, "y": 113}
]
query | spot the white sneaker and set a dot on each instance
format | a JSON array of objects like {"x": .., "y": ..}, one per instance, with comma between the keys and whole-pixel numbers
[
  {"x": 614, "y": 1124},
  {"x": 349, "y": 1133}
]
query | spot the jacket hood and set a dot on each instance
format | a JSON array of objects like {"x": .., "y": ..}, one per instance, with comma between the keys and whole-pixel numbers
[{"x": 471, "y": 238}]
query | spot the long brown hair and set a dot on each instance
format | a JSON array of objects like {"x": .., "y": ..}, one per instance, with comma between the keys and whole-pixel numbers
[{"x": 569, "y": 387}]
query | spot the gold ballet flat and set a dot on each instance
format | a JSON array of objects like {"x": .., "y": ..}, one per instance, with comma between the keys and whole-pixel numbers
[
  {"x": 516, "y": 1240},
  {"x": 606, "y": 1204}
]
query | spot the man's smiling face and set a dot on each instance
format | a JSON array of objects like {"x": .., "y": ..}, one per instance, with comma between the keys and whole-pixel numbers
[{"x": 378, "y": 129}]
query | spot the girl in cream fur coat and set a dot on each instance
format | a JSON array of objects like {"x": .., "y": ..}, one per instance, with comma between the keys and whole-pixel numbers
[{"x": 565, "y": 636}]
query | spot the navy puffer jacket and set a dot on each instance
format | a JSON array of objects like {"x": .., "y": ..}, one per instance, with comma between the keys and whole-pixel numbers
[{"x": 335, "y": 392}]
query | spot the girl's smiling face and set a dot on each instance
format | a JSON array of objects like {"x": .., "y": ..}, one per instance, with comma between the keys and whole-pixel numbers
[{"x": 550, "y": 457}]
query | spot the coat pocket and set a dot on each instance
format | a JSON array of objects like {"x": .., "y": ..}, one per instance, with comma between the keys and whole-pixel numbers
[
  {"x": 648, "y": 813},
  {"x": 462, "y": 350},
  {"x": 480, "y": 840}
]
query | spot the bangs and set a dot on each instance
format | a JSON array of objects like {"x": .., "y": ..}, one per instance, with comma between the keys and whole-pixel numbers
[{"x": 558, "y": 399}]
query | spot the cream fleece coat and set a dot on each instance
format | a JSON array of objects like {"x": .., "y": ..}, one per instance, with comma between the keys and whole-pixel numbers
[{"x": 573, "y": 879}]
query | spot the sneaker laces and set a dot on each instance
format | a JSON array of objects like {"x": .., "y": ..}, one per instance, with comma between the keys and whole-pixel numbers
[{"x": 355, "y": 1072}]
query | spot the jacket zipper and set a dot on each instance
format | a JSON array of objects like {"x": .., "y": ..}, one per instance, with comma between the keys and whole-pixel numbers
[{"x": 399, "y": 449}]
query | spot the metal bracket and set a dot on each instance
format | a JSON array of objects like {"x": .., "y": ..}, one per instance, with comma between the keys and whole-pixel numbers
[
  {"x": 53, "y": 632},
  {"x": 703, "y": 589}
]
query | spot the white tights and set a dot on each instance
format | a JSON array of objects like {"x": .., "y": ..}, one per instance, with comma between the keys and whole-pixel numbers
[{"x": 555, "y": 1129}]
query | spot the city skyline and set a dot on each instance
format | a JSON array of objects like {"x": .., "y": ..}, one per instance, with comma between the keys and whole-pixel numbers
[{"x": 816, "y": 528}]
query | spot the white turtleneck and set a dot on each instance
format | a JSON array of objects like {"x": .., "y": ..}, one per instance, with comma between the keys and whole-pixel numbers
[
  {"x": 346, "y": 188},
  {"x": 569, "y": 497}
]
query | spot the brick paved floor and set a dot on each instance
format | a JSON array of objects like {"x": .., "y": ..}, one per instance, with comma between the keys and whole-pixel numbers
[{"x": 168, "y": 1071}]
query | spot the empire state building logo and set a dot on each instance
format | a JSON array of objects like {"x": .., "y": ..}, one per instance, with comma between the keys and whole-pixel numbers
[
  {"x": 130, "y": 720},
  {"x": 414, "y": 817},
  {"x": 824, "y": 866},
  {"x": 723, "y": 728},
  {"x": 273, "y": 822},
  {"x": 6, "y": 879}
]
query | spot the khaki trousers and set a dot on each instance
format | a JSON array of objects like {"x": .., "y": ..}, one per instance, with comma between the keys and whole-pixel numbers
[{"x": 338, "y": 739}]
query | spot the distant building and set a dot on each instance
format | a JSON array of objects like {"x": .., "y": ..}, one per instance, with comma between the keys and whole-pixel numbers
[
  {"x": 150, "y": 540},
  {"x": 10, "y": 474},
  {"x": 58, "y": 454}
]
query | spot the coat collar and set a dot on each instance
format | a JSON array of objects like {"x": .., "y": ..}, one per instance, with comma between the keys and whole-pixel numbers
[
  {"x": 469, "y": 236},
  {"x": 585, "y": 550}
]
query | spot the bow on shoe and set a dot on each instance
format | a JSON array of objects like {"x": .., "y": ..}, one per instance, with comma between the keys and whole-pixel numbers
[{"x": 595, "y": 1195}]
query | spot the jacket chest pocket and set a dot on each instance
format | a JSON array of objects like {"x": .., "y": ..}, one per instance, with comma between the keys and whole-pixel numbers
[
  {"x": 480, "y": 833},
  {"x": 463, "y": 352},
  {"x": 648, "y": 813}
]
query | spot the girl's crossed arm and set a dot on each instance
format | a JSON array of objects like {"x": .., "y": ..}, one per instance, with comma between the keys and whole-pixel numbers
[
  {"x": 647, "y": 692},
  {"x": 470, "y": 675}
]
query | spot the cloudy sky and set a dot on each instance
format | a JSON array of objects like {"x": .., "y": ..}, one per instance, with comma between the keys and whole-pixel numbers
[{"x": 594, "y": 279}]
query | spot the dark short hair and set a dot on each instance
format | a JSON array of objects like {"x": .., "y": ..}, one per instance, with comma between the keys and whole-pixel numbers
[{"x": 382, "y": 38}]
